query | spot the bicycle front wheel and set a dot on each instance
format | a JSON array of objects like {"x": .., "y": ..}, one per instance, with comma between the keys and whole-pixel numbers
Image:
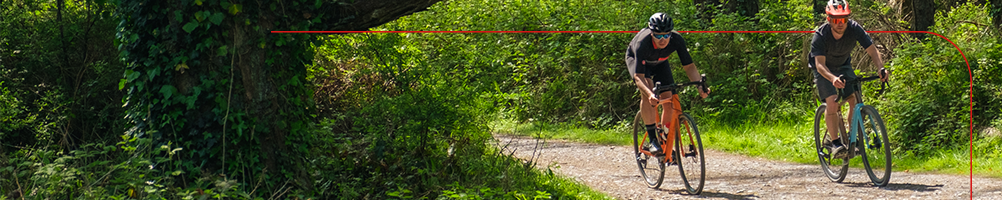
[
  {"x": 875, "y": 146},
  {"x": 689, "y": 154},
  {"x": 835, "y": 169},
  {"x": 651, "y": 168}
]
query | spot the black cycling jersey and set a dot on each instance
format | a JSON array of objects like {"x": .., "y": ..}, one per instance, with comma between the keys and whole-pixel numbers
[
  {"x": 837, "y": 57},
  {"x": 643, "y": 58},
  {"x": 837, "y": 52}
]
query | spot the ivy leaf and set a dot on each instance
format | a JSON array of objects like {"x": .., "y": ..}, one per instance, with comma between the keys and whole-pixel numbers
[
  {"x": 217, "y": 18},
  {"x": 222, "y": 50},
  {"x": 178, "y": 16},
  {"x": 190, "y": 26},
  {"x": 199, "y": 16},
  {"x": 168, "y": 91},
  {"x": 235, "y": 8},
  {"x": 181, "y": 67},
  {"x": 121, "y": 84},
  {"x": 131, "y": 75}
]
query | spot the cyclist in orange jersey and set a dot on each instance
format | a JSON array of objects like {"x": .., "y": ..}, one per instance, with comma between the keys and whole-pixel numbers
[{"x": 646, "y": 58}]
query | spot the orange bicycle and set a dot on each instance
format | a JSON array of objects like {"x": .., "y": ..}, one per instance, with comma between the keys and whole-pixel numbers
[{"x": 687, "y": 151}]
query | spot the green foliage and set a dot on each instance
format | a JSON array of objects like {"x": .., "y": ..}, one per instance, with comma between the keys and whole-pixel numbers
[
  {"x": 929, "y": 106},
  {"x": 56, "y": 68},
  {"x": 58, "y": 103},
  {"x": 580, "y": 78},
  {"x": 754, "y": 77},
  {"x": 407, "y": 120}
]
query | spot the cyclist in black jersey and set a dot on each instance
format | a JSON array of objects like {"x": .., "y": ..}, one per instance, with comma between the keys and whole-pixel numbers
[
  {"x": 647, "y": 60},
  {"x": 831, "y": 47}
]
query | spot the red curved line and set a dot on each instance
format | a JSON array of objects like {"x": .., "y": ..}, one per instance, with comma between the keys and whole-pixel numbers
[{"x": 970, "y": 74}]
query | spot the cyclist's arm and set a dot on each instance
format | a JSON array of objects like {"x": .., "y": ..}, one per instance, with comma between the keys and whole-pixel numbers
[
  {"x": 687, "y": 64},
  {"x": 823, "y": 70},
  {"x": 693, "y": 73},
  {"x": 819, "y": 64},
  {"x": 877, "y": 62},
  {"x": 639, "y": 79}
]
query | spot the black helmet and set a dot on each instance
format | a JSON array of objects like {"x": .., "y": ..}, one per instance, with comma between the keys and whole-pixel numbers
[{"x": 660, "y": 23}]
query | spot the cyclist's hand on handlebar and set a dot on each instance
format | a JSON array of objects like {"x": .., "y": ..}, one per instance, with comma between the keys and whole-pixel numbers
[
  {"x": 653, "y": 99},
  {"x": 885, "y": 75},
  {"x": 704, "y": 94},
  {"x": 838, "y": 83}
]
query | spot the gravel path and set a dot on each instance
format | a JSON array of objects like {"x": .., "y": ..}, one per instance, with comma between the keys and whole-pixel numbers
[{"x": 610, "y": 170}]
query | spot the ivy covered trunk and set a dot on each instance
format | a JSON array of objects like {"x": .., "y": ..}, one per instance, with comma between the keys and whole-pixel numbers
[{"x": 209, "y": 77}]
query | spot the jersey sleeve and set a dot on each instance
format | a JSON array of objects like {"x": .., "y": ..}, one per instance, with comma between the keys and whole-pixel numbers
[
  {"x": 683, "y": 51},
  {"x": 863, "y": 37},
  {"x": 817, "y": 44},
  {"x": 632, "y": 60}
]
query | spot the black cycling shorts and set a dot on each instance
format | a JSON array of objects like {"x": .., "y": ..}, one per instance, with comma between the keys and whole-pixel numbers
[{"x": 660, "y": 72}]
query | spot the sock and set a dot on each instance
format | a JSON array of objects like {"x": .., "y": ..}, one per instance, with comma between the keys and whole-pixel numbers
[
  {"x": 651, "y": 133},
  {"x": 837, "y": 142}
]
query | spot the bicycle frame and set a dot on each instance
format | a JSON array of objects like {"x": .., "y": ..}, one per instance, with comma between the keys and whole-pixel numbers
[
  {"x": 856, "y": 125},
  {"x": 672, "y": 126}
]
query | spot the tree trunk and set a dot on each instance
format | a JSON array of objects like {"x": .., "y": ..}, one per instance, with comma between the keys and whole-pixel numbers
[
  {"x": 211, "y": 77},
  {"x": 996, "y": 12},
  {"x": 923, "y": 16},
  {"x": 709, "y": 8},
  {"x": 747, "y": 8},
  {"x": 819, "y": 7},
  {"x": 706, "y": 9}
]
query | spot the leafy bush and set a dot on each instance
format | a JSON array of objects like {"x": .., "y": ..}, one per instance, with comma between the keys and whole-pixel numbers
[
  {"x": 62, "y": 69},
  {"x": 929, "y": 106},
  {"x": 421, "y": 131}
]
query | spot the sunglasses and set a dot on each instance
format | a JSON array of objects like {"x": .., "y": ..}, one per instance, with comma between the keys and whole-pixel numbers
[
  {"x": 665, "y": 36},
  {"x": 838, "y": 20}
]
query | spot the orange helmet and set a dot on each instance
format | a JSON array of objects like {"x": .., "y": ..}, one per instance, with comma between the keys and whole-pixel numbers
[{"x": 837, "y": 8}]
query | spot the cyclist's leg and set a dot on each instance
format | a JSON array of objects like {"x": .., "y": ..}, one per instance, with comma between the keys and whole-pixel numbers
[
  {"x": 649, "y": 113},
  {"x": 833, "y": 117},
  {"x": 828, "y": 94},
  {"x": 662, "y": 73},
  {"x": 667, "y": 118}
]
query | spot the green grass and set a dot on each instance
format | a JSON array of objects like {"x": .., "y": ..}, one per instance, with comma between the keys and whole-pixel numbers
[{"x": 784, "y": 141}]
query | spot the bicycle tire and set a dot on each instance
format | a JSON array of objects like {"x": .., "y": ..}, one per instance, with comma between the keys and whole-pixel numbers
[
  {"x": 652, "y": 176},
  {"x": 874, "y": 137},
  {"x": 690, "y": 155},
  {"x": 824, "y": 154}
]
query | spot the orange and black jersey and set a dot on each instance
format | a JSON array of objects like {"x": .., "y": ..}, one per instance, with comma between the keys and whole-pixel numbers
[{"x": 641, "y": 54}]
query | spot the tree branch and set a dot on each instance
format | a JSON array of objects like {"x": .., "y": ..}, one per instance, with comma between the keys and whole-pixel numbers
[{"x": 362, "y": 15}]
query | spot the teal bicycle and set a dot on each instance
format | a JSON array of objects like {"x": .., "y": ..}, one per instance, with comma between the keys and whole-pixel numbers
[{"x": 867, "y": 138}]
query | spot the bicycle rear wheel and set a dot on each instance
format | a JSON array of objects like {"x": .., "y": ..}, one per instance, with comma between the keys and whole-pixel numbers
[
  {"x": 651, "y": 168},
  {"x": 835, "y": 169},
  {"x": 689, "y": 154},
  {"x": 875, "y": 146}
]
